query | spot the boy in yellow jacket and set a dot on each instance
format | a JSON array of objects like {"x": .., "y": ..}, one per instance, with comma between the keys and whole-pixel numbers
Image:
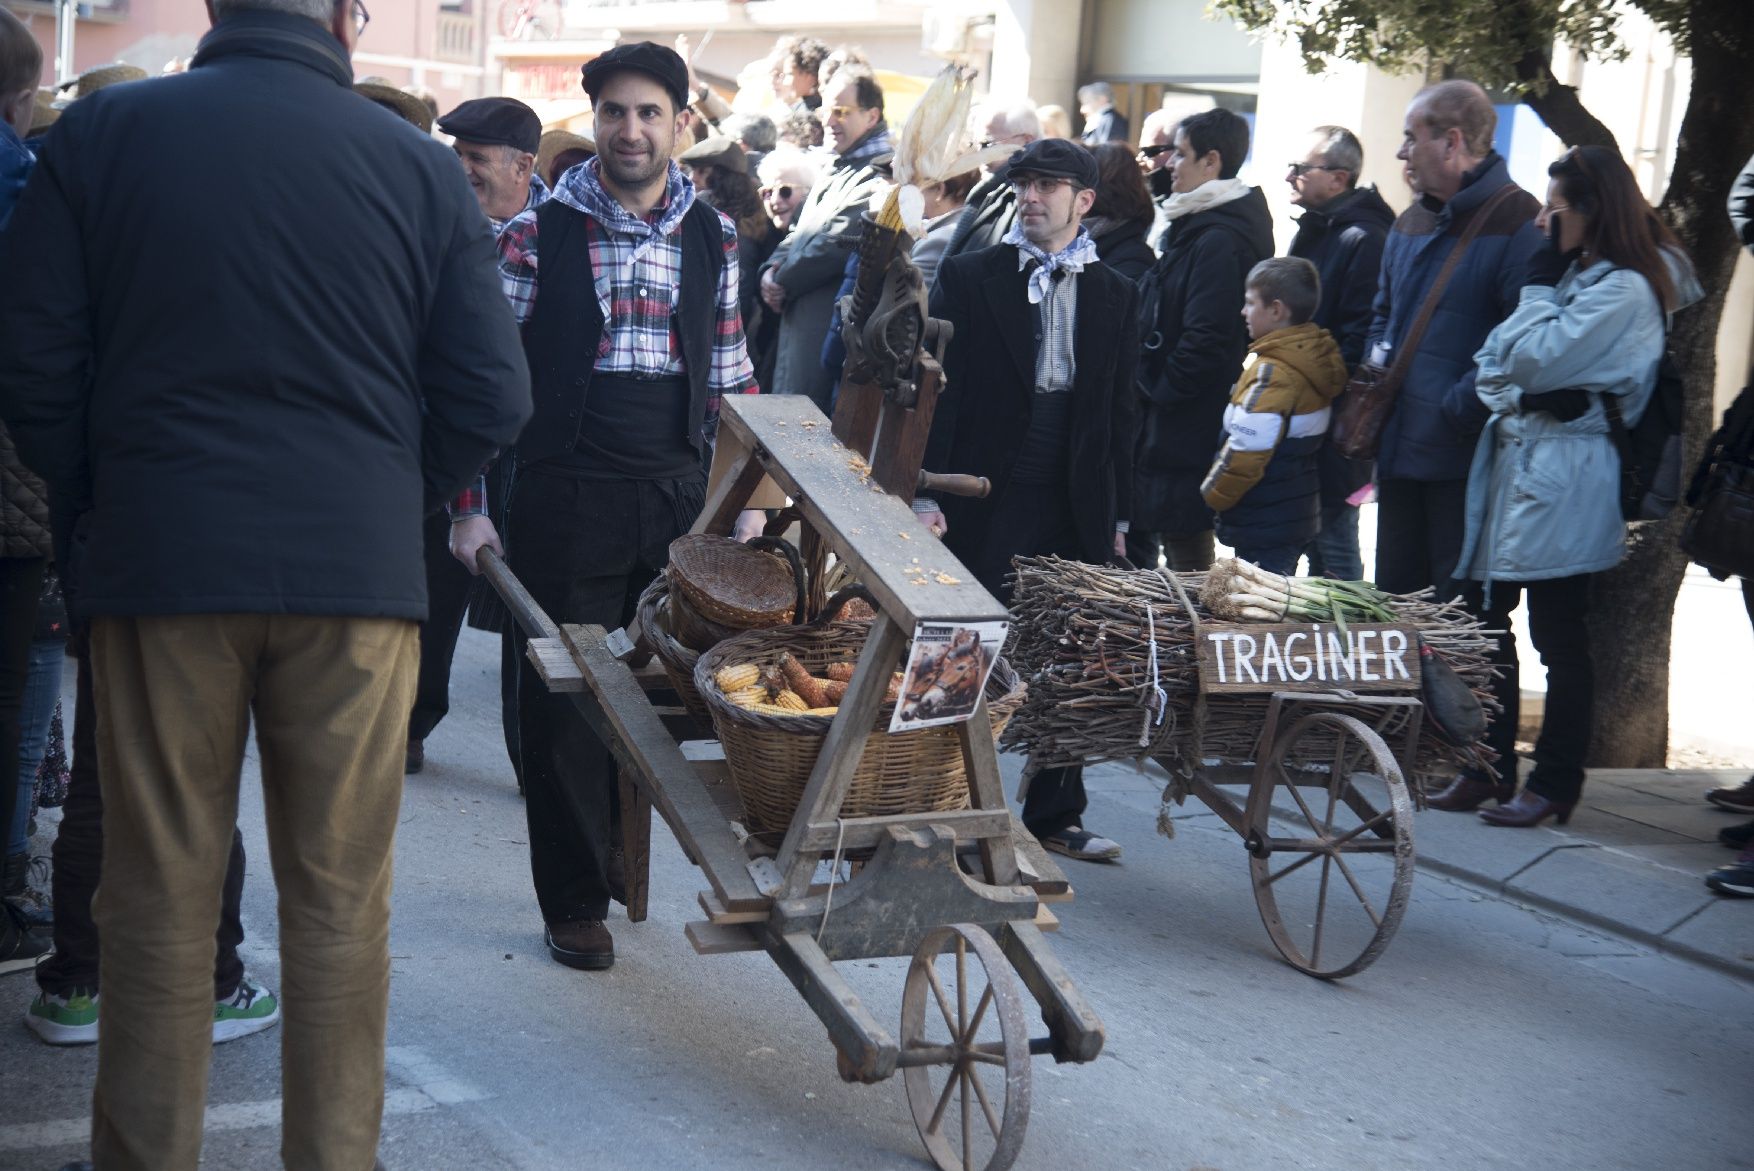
[{"x": 1264, "y": 484}]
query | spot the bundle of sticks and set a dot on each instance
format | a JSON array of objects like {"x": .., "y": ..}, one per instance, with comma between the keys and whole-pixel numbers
[{"x": 1109, "y": 658}]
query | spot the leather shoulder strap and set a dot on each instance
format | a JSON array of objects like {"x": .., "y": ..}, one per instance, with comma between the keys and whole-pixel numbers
[{"x": 1476, "y": 222}]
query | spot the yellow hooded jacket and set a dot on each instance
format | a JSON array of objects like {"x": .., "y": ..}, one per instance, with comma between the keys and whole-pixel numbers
[{"x": 1288, "y": 381}]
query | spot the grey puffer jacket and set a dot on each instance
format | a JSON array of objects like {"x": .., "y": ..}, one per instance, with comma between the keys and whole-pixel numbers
[{"x": 24, "y": 506}]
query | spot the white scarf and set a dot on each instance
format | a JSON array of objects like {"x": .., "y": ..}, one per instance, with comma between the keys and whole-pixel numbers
[
  {"x": 1072, "y": 258},
  {"x": 1208, "y": 195}
]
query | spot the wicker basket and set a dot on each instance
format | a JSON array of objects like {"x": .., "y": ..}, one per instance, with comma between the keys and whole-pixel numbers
[
  {"x": 771, "y": 757},
  {"x": 677, "y": 660},
  {"x": 736, "y": 585}
]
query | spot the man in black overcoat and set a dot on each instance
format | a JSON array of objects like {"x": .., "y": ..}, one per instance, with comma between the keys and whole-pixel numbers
[{"x": 1039, "y": 399}]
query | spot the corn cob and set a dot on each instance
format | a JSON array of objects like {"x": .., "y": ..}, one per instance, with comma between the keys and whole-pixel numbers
[
  {"x": 791, "y": 701},
  {"x": 737, "y": 677},
  {"x": 747, "y": 697},
  {"x": 822, "y": 711},
  {"x": 808, "y": 688},
  {"x": 840, "y": 672}
]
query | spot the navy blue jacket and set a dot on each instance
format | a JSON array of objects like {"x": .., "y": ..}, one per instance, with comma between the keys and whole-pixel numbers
[
  {"x": 1431, "y": 432},
  {"x": 261, "y": 335}
]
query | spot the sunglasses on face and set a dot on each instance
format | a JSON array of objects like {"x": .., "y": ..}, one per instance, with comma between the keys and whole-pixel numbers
[
  {"x": 1299, "y": 170},
  {"x": 781, "y": 192},
  {"x": 840, "y": 111},
  {"x": 1155, "y": 149},
  {"x": 1041, "y": 184}
]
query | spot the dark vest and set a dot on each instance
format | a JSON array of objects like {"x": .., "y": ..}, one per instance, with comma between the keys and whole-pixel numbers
[{"x": 566, "y": 327}]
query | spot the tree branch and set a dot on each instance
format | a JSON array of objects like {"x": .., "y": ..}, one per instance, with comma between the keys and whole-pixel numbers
[{"x": 1558, "y": 105}]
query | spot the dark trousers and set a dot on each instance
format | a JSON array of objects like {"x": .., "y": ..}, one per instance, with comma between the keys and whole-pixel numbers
[
  {"x": 585, "y": 550},
  {"x": 21, "y": 585},
  {"x": 77, "y": 862},
  {"x": 1033, "y": 519},
  {"x": 447, "y": 598},
  {"x": 1281, "y": 559},
  {"x": 1190, "y": 554},
  {"x": 1419, "y": 530},
  {"x": 1558, "y": 623}
]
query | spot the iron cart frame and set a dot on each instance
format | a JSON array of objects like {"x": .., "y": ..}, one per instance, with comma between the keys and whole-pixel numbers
[{"x": 970, "y": 882}]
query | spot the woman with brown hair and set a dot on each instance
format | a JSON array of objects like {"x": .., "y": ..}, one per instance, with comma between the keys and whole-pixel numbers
[
  {"x": 1123, "y": 212},
  {"x": 1543, "y": 506}
]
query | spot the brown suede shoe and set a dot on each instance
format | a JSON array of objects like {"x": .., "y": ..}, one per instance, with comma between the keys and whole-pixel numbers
[{"x": 581, "y": 943}]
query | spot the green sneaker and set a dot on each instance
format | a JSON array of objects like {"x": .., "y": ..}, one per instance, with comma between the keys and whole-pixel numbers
[
  {"x": 250, "y": 1009},
  {"x": 64, "y": 1020}
]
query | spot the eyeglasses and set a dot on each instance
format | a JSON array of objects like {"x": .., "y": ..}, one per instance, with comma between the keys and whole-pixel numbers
[
  {"x": 783, "y": 191},
  {"x": 1299, "y": 170},
  {"x": 840, "y": 111},
  {"x": 1156, "y": 149},
  {"x": 1043, "y": 185},
  {"x": 361, "y": 18}
]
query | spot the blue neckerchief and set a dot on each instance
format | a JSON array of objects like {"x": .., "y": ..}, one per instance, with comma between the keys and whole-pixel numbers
[{"x": 1072, "y": 258}]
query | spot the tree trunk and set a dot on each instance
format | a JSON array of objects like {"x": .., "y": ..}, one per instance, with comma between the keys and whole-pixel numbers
[
  {"x": 1558, "y": 105},
  {"x": 1634, "y": 604}
]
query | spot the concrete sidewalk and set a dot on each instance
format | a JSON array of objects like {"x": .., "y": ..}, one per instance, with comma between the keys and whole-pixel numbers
[{"x": 1632, "y": 860}]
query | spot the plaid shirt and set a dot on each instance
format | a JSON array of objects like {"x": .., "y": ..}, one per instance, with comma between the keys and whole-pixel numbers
[
  {"x": 638, "y": 268},
  {"x": 539, "y": 194}
]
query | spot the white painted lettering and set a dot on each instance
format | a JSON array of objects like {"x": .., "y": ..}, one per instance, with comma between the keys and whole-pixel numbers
[
  {"x": 1338, "y": 658},
  {"x": 1292, "y": 662},
  {"x": 1365, "y": 655},
  {"x": 1245, "y": 664},
  {"x": 1217, "y": 638},
  {"x": 1394, "y": 650},
  {"x": 1321, "y": 665},
  {"x": 1272, "y": 662}
]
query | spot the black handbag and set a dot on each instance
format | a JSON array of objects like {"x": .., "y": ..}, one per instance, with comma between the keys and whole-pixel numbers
[{"x": 1719, "y": 534}]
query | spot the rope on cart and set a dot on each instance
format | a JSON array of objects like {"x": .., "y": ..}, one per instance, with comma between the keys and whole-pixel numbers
[{"x": 840, "y": 841}]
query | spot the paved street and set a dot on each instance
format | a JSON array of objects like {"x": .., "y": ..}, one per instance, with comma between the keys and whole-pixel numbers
[{"x": 1488, "y": 1036}]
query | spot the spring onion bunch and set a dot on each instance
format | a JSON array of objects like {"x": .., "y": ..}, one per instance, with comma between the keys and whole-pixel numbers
[{"x": 1240, "y": 591}]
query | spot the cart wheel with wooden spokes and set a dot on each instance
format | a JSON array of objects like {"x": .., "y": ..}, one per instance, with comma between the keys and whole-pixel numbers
[
  {"x": 965, "y": 1050},
  {"x": 1330, "y": 840}
]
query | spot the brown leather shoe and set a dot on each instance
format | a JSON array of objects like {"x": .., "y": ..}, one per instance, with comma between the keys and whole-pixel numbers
[
  {"x": 1529, "y": 809},
  {"x": 581, "y": 943},
  {"x": 1466, "y": 794}
]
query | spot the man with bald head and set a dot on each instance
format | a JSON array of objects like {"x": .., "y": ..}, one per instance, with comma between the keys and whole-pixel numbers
[
  {"x": 992, "y": 204},
  {"x": 1422, "y": 462}
]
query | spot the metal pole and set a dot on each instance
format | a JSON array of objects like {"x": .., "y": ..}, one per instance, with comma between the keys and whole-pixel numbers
[{"x": 66, "y": 16}]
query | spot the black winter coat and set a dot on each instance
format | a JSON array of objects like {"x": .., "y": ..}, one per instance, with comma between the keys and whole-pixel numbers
[
  {"x": 262, "y": 335},
  {"x": 1122, "y": 247},
  {"x": 1187, "y": 380},
  {"x": 24, "y": 506},
  {"x": 1345, "y": 241},
  {"x": 989, "y": 392}
]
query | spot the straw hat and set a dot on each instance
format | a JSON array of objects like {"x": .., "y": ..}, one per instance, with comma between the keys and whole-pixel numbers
[
  {"x": 556, "y": 143},
  {"x": 405, "y": 105},
  {"x": 43, "y": 114},
  {"x": 102, "y": 77}
]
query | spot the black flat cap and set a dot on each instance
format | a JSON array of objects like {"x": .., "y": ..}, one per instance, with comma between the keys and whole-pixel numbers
[
  {"x": 1058, "y": 158},
  {"x": 495, "y": 122},
  {"x": 647, "y": 57}
]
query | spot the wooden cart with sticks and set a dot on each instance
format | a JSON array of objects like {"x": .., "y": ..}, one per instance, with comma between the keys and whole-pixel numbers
[
  {"x": 963, "y": 892},
  {"x": 1321, "y": 724}
]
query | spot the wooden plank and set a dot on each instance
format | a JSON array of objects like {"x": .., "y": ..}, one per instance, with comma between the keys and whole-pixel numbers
[
  {"x": 909, "y": 571},
  {"x": 636, "y": 846},
  {"x": 980, "y": 761},
  {"x": 530, "y": 617},
  {"x": 1257, "y": 658},
  {"x": 715, "y": 911},
  {"x": 742, "y": 475},
  {"x": 867, "y": 1049},
  {"x": 864, "y": 832},
  {"x": 554, "y": 665},
  {"x": 841, "y": 749},
  {"x": 1036, "y": 866},
  {"x": 856, "y": 410},
  {"x": 1077, "y": 1031},
  {"x": 711, "y": 939},
  {"x": 617, "y": 710}
]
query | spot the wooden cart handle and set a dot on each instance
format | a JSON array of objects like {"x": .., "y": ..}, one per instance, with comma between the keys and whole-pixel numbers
[{"x": 954, "y": 484}]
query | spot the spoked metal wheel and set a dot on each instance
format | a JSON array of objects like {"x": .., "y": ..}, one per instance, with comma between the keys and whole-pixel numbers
[
  {"x": 1331, "y": 845},
  {"x": 965, "y": 1051}
]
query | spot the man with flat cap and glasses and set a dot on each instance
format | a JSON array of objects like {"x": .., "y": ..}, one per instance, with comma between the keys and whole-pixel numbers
[
  {"x": 497, "y": 140},
  {"x": 1038, "y": 397},
  {"x": 632, "y": 329},
  {"x": 268, "y": 359}
]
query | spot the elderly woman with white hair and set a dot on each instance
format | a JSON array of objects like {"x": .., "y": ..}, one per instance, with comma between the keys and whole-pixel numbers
[{"x": 786, "y": 176}]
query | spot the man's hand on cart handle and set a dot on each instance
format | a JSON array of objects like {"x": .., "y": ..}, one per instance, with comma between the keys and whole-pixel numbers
[
  {"x": 935, "y": 522},
  {"x": 469, "y": 536}
]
